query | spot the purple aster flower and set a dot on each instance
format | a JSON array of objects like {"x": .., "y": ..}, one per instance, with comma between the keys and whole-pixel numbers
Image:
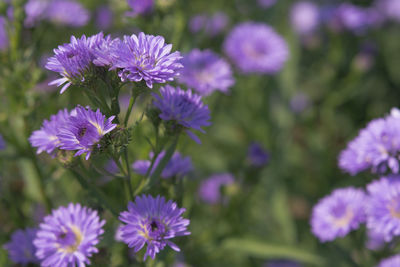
[
  {"x": 140, "y": 7},
  {"x": 256, "y": 48},
  {"x": 338, "y": 213},
  {"x": 152, "y": 221},
  {"x": 206, "y": 72},
  {"x": 3, "y": 34},
  {"x": 376, "y": 147},
  {"x": 60, "y": 12},
  {"x": 146, "y": 57},
  {"x": 282, "y": 263},
  {"x": 383, "y": 209},
  {"x": 104, "y": 17},
  {"x": 72, "y": 60},
  {"x": 393, "y": 261},
  {"x": 266, "y": 3},
  {"x": 68, "y": 237},
  {"x": 390, "y": 9},
  {"x": 304, "y": 17},
  {"x": 256, "y": 155},
  {"x": 83, "y": 130},
  {"x": 177, "y": 165},
  {"x": 210, "y": 189},
  {"x": 21, "y": 249},
  {"x": 184, "y": 108},
  {"x": 46, "y": 139}
]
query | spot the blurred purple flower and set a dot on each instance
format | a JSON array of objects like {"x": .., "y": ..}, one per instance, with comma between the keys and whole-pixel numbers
[
  {"x": 206, "y": 72},
  {"x": 257, "y": 155},
  {"x": 83, "y": 130},
  {"x": 145, "y": 57},
  {"x": 184, "y": 108},
  {"x": 256, "y": 48},
  {"x": 210, "y": 189},
  {"x": 67, "y": 12},
  {"x": 304, "y": 17},
  {"x": 375, "y": 240},
  {"x": 266, "y": 3},
  {"x": 140, "y": 7},
  {"x": 177, "y": 165},
  {"x": 35, "y": 11},
  {"x": 2, "y": 143},
  {"x": 197, "y": 23},
  {"x": 152, "y": 221},
  {"x": 299, "y": 102},
  {"x": 21, "y": 249},
  {"x": 212, "y": 25},
  {"x": 104, "y": 17},
  {"x": 376, "y": 147},
  {"x": 4, "y": 42},
  {"x": 390, "y": 9},
  {"x": 68, "y": 237},
  {"x": 383, "y": 207},
  {"x": 393, "y": 261},
  {"x": 338, "y": 213}
]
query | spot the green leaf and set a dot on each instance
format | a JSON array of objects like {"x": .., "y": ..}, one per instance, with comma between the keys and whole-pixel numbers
[{"x": 264, "y": 250}]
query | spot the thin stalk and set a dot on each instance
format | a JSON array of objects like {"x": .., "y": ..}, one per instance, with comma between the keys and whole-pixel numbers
[
  {"x": 128, "y": 177},
  {"x": 132, "y": 101},
  {"x": 94, "y": 192}
]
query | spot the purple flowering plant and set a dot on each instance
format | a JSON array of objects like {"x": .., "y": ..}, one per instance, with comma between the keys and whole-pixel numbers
[{"x": 109, "y": 144}]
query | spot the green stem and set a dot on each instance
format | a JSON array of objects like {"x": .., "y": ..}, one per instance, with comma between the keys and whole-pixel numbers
[
  {"x": 129, "y": 111},
  {"x": 128, "y": 177},
  {"x": 94, "y": 192}
]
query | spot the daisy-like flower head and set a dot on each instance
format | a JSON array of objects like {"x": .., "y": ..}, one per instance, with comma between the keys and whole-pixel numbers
[
  {"x": 393, "y": 261},
  {"x": 68, "y": 237},
  {"x": 84, "y": 129},
  {"x": 146, "y": 57},
  {"x": 376, "y": 147},
  {"x": 205, "y": 72},
  {"x": 72, "y": 60},
  {"x": 46, "y": 139},
  {"x": 338, "y": 213},
  {"x": 210, "y": 189},
  {"x": 152, "y": 222},
  {"x": 256, "y": 48},
  {"x": 182, "y": 107},
  {"x": 20, "y": 248},
  {"x": 177, "y": 165},
  {"x": 383, "y": 210}
]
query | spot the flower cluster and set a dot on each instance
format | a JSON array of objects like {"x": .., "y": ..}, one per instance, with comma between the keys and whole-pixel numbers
[
  {"x": 56, "y": 11},
  {"x": 205, "y": 72},
  {"x": 177, "y": 166},
  {"x": 256, "y": 48},
  {"x": 152, "y": 221},
  {"x": 136, "y": 58},
  {"x": 183, "y": 108},
  {"x": 79, "y": 130},
  {"x": 376, "y": 147}
]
